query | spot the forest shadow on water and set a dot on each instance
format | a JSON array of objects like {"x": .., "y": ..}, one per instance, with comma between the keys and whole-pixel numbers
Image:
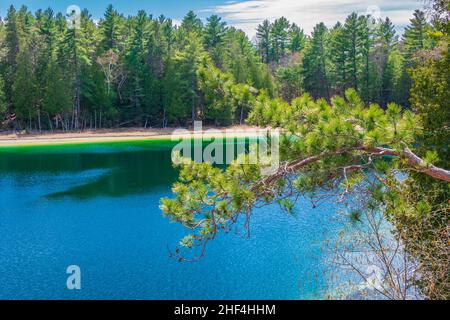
[
  {"x": 117, "y": 169},
  {"x": 110, "y": 171}
]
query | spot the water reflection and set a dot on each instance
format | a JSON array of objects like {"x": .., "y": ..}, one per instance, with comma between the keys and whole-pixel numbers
[{"x": 108, "y": 171}]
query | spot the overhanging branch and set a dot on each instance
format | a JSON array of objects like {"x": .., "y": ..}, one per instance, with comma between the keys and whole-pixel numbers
[{"x": 415, "y": 162}]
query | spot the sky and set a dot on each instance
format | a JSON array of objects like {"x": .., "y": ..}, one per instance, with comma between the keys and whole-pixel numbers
[{"x": 243, "y": 14}]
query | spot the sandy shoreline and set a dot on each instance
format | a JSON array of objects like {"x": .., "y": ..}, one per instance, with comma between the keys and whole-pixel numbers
[{"x": 111, "y": 135}]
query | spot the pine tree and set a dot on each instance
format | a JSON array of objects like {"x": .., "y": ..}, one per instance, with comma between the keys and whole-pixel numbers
[
  {"x": 192, "y": 23},
  {"x": 338, "y": 53},
  {"x": 180, "y": 81},
  {"x": 96, "y": 98},
  {"x": 264, "y": 40},
  {"x": 416, "y": 37},
  {"x": 297, "y": 39},
  {"x": 279, "y": 38},
  {"x": 47, "y": 31},
  {"x": 366, "y": 42},
  {"x": 110, "y": 27},
  {"x": 24, "y": 90},
  {"x": 12, "y": 44},
  {"x": 385, "y": 45},
  {"x": 138, "y": 68},
  {"x": 216, "y": 87},
  {"x": 168, "y": 35},
  {"x": 56, "y": 98},
  {"x": 174, "y": 96},
  {"x": 291, "y": 81},
  {"x": 74, "y": 55},
  {"x": 352, "y": 31},
  {"x": 315, "y": 70},
  {"x": 213, "y": 36},
  {"x": 238, "y": 56},
  {"x": 3, "y": 102},
  {"x": 48, "y": 41}
]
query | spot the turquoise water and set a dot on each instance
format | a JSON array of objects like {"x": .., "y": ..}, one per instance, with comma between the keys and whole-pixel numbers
[{"x": 96, "y": 206}]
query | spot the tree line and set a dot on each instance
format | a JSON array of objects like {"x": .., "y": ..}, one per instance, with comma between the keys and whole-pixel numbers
[{"x": 145, "y": 71}]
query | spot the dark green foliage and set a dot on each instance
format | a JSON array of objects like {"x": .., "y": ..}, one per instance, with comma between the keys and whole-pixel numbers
[
  {"x": 263, "y": 37},
  {"x": 315, "y": 69},
  {"x": 123, "y": 71},
  {"x": 144, "y": 71},
  {"x": 111, "y": 29},
  {"x": 214, "y": 35},
  {"x": 3, "y": 105},
  {"x": 24, "y": 89}
]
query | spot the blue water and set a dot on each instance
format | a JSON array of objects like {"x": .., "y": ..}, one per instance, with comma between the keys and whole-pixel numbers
[{"x": 96, "y": 206}]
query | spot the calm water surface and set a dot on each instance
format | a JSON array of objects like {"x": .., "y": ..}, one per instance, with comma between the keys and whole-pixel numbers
[{"x": 96, "y": 206}]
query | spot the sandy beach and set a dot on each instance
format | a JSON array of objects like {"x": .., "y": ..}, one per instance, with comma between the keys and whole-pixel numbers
[{"x": 117, "y": 135}]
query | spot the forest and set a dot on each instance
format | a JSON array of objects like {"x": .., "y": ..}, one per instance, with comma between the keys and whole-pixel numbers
[
  {"x": 70, "y": 72},
  {"x": 363, "y": 112}
]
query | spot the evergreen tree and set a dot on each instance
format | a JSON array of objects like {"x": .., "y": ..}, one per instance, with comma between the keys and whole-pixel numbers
[
  {"x": 238, "y": 56},
  {"x": 214, "y": 34},
  {"x": 110, "y": 27},
  {"x": 47, "y": 31},
  {"x": 192, "y": 23},
  {"x": 352, "y": 31},
  {"x": 136, "y": 61},
  {"x": 3, "y": 102},
  {"x": 24, "y": 90},
  {"x": 338, "y": 53},
  {"x": 425, "y": 232},
  {"x": 315, "y": 71},
  {"x": 385, "y": 48},
  {"x": 180, "y": 81},
  {"x": 74, "y": 55},
  {"x": 297, "y": 39},
  {"x": 263, "y": 33},
  {"x": 12, "y": 44},
  {"x": 416, "y": 36},
  {"x": 56, "y": 98},
  {"x": 291, "y": 81},
  {"x": 216, "y": 88},
  {"x": 96, "y": 97},
  {"x": 279, "y": 38},
  {"x": 366, "y": 39}
]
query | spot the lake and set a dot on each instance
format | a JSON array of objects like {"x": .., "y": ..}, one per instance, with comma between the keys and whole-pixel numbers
[{"x": 97, "y": 206}]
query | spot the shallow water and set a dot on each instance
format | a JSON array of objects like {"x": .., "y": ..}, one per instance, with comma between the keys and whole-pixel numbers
[{"x": 96, "y": 206}]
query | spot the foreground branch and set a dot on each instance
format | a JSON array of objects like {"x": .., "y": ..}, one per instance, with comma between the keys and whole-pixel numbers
[{"x": 416, "y": 163}]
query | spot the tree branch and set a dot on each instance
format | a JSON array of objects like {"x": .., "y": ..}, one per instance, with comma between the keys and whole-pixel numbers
[{"x": 416, "y": 163}]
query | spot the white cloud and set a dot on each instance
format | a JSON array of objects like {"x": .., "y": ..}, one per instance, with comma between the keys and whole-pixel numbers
[{"x": 247, "y": 14}]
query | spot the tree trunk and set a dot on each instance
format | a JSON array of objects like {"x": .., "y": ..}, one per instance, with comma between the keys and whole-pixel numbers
[
  {"x": 242, "y": 115},
  {"x": 50, "y": 122},
  {"x": 39, "y": 120}
]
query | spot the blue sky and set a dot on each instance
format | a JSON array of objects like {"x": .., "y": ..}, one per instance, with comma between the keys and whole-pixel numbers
[{"x": 244, "y": 14}]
